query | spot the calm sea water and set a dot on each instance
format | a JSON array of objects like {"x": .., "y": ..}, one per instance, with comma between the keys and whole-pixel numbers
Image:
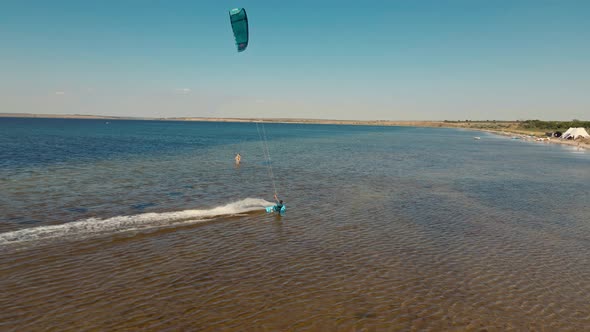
[{"x": 147, "y": 225}]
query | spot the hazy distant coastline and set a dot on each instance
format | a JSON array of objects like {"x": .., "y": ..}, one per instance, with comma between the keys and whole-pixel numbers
[
  {"x": 407, "y": 123},
  {"x": 69, "y": 116}
]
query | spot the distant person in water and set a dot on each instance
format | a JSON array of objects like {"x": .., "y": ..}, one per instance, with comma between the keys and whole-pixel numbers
[
  {"x": 279, "y": 204},
  {"x": 238, "y": 159}
]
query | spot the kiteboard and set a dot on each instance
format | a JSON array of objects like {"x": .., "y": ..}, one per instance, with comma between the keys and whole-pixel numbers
[{"x": 271, "y": 209}]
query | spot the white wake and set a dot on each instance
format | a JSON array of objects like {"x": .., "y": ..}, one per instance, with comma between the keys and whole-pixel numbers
[{"x": 96, "y": 226}]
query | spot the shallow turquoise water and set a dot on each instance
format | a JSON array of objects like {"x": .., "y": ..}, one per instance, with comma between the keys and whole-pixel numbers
[
  {"x": 427, "y": 221},
  {"x": 57, "y": 171}
]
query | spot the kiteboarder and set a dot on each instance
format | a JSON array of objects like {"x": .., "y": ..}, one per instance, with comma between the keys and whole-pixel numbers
[{"x": 279, "y": 204}]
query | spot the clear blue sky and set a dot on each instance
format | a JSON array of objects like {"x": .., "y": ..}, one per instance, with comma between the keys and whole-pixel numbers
[{"x": 503, "y": 59}]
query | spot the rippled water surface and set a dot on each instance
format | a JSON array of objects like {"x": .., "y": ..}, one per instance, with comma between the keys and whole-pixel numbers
[{"x": 146, "y": 225}]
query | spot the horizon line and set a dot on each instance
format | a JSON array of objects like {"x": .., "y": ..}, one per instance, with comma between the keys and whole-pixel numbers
[{"x": 249, "y": 119}]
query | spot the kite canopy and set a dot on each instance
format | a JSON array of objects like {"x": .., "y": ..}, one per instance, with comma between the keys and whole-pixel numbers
[{"x": 239, "y": 24}]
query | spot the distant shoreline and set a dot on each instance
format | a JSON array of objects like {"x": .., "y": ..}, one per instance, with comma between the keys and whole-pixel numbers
[
  {"x": 504, "y": 128},
  {"x": 405, "y": 123},
  {"x": 69, "y": 116}
]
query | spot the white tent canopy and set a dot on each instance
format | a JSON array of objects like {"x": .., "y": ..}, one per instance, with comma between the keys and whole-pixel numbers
[{"x": 575, "y": 133}]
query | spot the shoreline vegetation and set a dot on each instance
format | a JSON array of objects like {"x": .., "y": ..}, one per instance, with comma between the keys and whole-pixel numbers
[{"x": 532, "y": 130}]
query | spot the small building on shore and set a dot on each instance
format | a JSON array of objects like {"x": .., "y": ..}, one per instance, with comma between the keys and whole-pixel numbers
[{"x": 574, "y": 133}]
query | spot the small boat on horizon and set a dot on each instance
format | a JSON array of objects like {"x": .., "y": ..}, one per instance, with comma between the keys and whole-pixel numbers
[{"x": 476, "y": 137}]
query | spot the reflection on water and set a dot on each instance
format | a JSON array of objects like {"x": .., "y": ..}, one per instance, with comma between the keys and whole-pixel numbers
[{"x": 387, "y": 229}]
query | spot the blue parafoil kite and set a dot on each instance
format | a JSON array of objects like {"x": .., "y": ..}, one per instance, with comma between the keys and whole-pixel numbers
[{"x": 239, "y": 24}]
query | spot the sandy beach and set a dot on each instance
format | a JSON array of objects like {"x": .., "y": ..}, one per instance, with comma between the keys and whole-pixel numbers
[
  {"x": 510, "y": 129},
  {"x": 579, "y": 143}
]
